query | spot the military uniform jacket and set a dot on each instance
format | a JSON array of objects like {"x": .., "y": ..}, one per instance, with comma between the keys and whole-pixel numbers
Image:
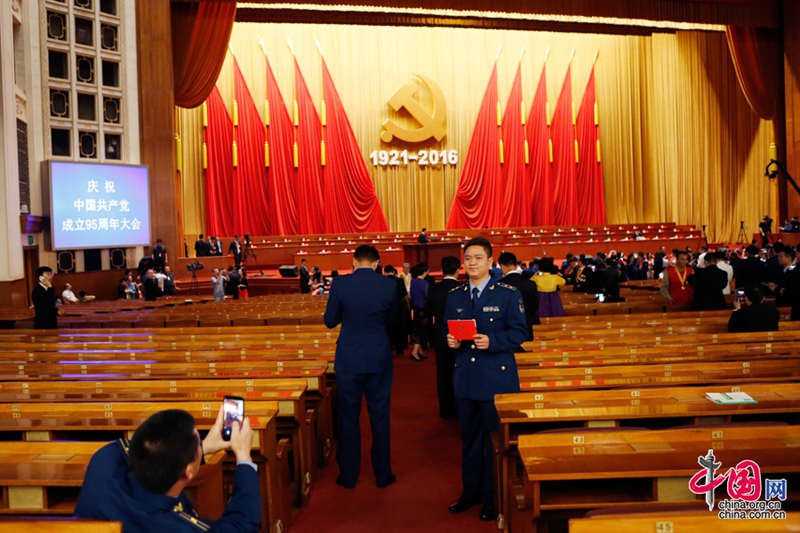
[
  {"x": 110, "y": 492},
  {"x": 500, "y": 314}
]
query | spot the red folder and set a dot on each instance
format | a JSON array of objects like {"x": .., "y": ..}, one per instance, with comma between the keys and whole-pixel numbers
[{"x": 462, "y": 330}]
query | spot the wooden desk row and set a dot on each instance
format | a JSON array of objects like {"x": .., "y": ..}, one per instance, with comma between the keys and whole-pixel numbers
[
  {"x": 105, "y": 421},
  {"x": 567, "y": 474}
]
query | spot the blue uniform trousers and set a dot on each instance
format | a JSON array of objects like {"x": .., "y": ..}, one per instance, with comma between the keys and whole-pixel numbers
[
  {"x": 478, "y": 419},
  {"x": 377, "y": 388}
]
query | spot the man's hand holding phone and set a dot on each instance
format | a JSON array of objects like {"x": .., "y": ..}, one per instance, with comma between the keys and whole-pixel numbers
[{"x": 241, "y": 437}]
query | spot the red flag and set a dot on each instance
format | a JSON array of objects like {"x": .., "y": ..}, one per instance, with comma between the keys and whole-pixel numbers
[
  {"x": 477, "y": 202},
  {"x": 516, "y": 179},
  {"x": 219, "y": 171},
  {"x": 250, "y": 175},
  {"x": 281, "y": 175},
  {"x": 310, "y": 207},
  {"x": 590, "y": 195},
  {"x": 564, "y": 165},
  {"x": 540, "y": 168},
  {"x": 351, "y": 203}
]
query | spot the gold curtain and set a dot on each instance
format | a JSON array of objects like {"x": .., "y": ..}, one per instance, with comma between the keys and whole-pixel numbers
[{"x": 679, "y": 140}]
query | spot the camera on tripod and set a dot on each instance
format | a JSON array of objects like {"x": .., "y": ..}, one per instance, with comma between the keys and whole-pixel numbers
[
  {"x": 194, "y": 267},
  {"x": 246, "y": 239}
]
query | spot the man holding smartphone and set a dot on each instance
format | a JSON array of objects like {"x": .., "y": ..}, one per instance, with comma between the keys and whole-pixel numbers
[
  {"x": 140, "y": 482},
  {"x": 750, "y": 314},
  {"x": 484, "y": 367}
]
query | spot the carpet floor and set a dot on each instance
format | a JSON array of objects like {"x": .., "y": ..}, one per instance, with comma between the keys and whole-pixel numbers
[{"x": 426, "y": 458}]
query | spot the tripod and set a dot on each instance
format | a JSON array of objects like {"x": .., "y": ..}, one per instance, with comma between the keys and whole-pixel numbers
[
  {"x": 248, "y": 251},
  {"x": 194, "y": 284},
  {"x": 742, "y": 238}
]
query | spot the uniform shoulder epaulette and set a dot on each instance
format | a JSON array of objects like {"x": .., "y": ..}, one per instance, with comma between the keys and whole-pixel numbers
[
  {"x": 455, "y": 288},
  {"x": 506, "y": 286},
  {"x": 126, "y": 444}
]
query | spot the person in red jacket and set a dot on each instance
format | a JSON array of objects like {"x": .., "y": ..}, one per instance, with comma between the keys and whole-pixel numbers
[{"x": 675, "y": 286}]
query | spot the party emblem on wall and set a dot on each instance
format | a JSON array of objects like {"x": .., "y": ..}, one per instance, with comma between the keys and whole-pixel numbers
[{"x": 433, "y": 123}]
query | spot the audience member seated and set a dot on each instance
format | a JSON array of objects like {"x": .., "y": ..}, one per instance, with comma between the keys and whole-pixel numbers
[
  {"x": 140, "y": 483},
  {"x": 85, "y": 298},
  {"x": 67, "y": 296},
  {"x": 752, "y": 314}
]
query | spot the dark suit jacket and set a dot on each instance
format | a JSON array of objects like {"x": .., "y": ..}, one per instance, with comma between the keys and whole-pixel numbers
[
  {"x": 232, "y": 285},
  {"x": 530, "y": 297},
  {"x": 44, "y": 304},
  {"x": 790, "y": 284},
  {"x": 151, "y": 289},
  {"x": 708, "y": 285},
  {"x": 110, "y": 492},
  {"x": 200, "y": 248},
  {"x": 232, "y": 249},
  {"x": 749, "y": 272},
  {"x": 756, "y": 317},
  {"x": 480, "y": 374},
  {"x": 437, "y": 302},
  {"x": 365, "y": 304}
]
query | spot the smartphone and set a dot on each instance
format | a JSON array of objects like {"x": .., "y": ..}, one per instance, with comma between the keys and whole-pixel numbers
[
  {"x": 740, "y": 295},
  {"x": 232, "y": 412}
]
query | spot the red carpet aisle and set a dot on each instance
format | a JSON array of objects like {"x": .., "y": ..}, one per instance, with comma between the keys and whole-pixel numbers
[{"x": 426, "y": 457}]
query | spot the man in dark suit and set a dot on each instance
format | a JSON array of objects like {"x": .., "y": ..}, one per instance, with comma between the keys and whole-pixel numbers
[
  {"x": 399, "y": 331},
  {"x": 160, "y": 255},
  {"x": 787, "y": 290},
  {"x": 754, "y": 316},
  {"x": 169, "y": 282},
  {"x": 445, "y": 356},
  {"x": 749, "y": 271},
  {"x": 151, "y": 289},
  {"x": 423, "y": 237},
  {"x": 365, "y": 304},
  {"x": 44, "y": 300},
  {"x": 218, "y": 246},
  {"x": 200, "y": 247},
  {"x": 530, "y": 294},
  {"x": 485, "y": 366},
  {"x": 140, "y": 483},
  {"x": 232, "y": 285},
  {"x": 235, "y": 249},
  {"x": 708, "y": 283},
  {"x": 305, "y": 278}
]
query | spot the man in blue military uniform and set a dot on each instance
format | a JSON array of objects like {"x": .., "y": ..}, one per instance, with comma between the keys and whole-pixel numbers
[
  {"x": 139, "y": 483},
  {"x": 365, "y": 304},
  {"x": 485, "y": 366}
]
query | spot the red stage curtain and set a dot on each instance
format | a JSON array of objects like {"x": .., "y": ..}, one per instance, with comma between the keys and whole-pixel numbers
[
  {"x": 591, "y": 193},
  {"x": 540, "y": 168},
  {"x": 310, "y": 207},
  {"x": 250, "y": 175},
  {"x": 755, "y": 69},
  {"x": 351, "y": 203},
  {"x": 281, "y": 175},
  {"x": 200, "y": 36},
  {"x": 219, "y": 180},
  {"x": 564, "y": 166},
  {"x": 516, "y": 178},
  {"x": 478, "y": 199}
]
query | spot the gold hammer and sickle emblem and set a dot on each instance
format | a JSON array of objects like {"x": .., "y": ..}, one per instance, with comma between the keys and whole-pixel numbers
[{"x": 432, "y": 123}]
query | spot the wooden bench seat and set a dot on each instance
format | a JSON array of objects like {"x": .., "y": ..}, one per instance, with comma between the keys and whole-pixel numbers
[
  {"x": 293, "y": 420},
  {"x": 181, "y": 344},
  {"x": 653, "y": 408},
  {"x": 607, "y": 376},
  {"x": 57, "y": 525},
  {"x": 107, "y": 421},
  {"x": 664, "y": 354},
  {"x": 570, "y": 473},
  {"x": 45, "y": 478},
  {"x": 681, "y": 522}
]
